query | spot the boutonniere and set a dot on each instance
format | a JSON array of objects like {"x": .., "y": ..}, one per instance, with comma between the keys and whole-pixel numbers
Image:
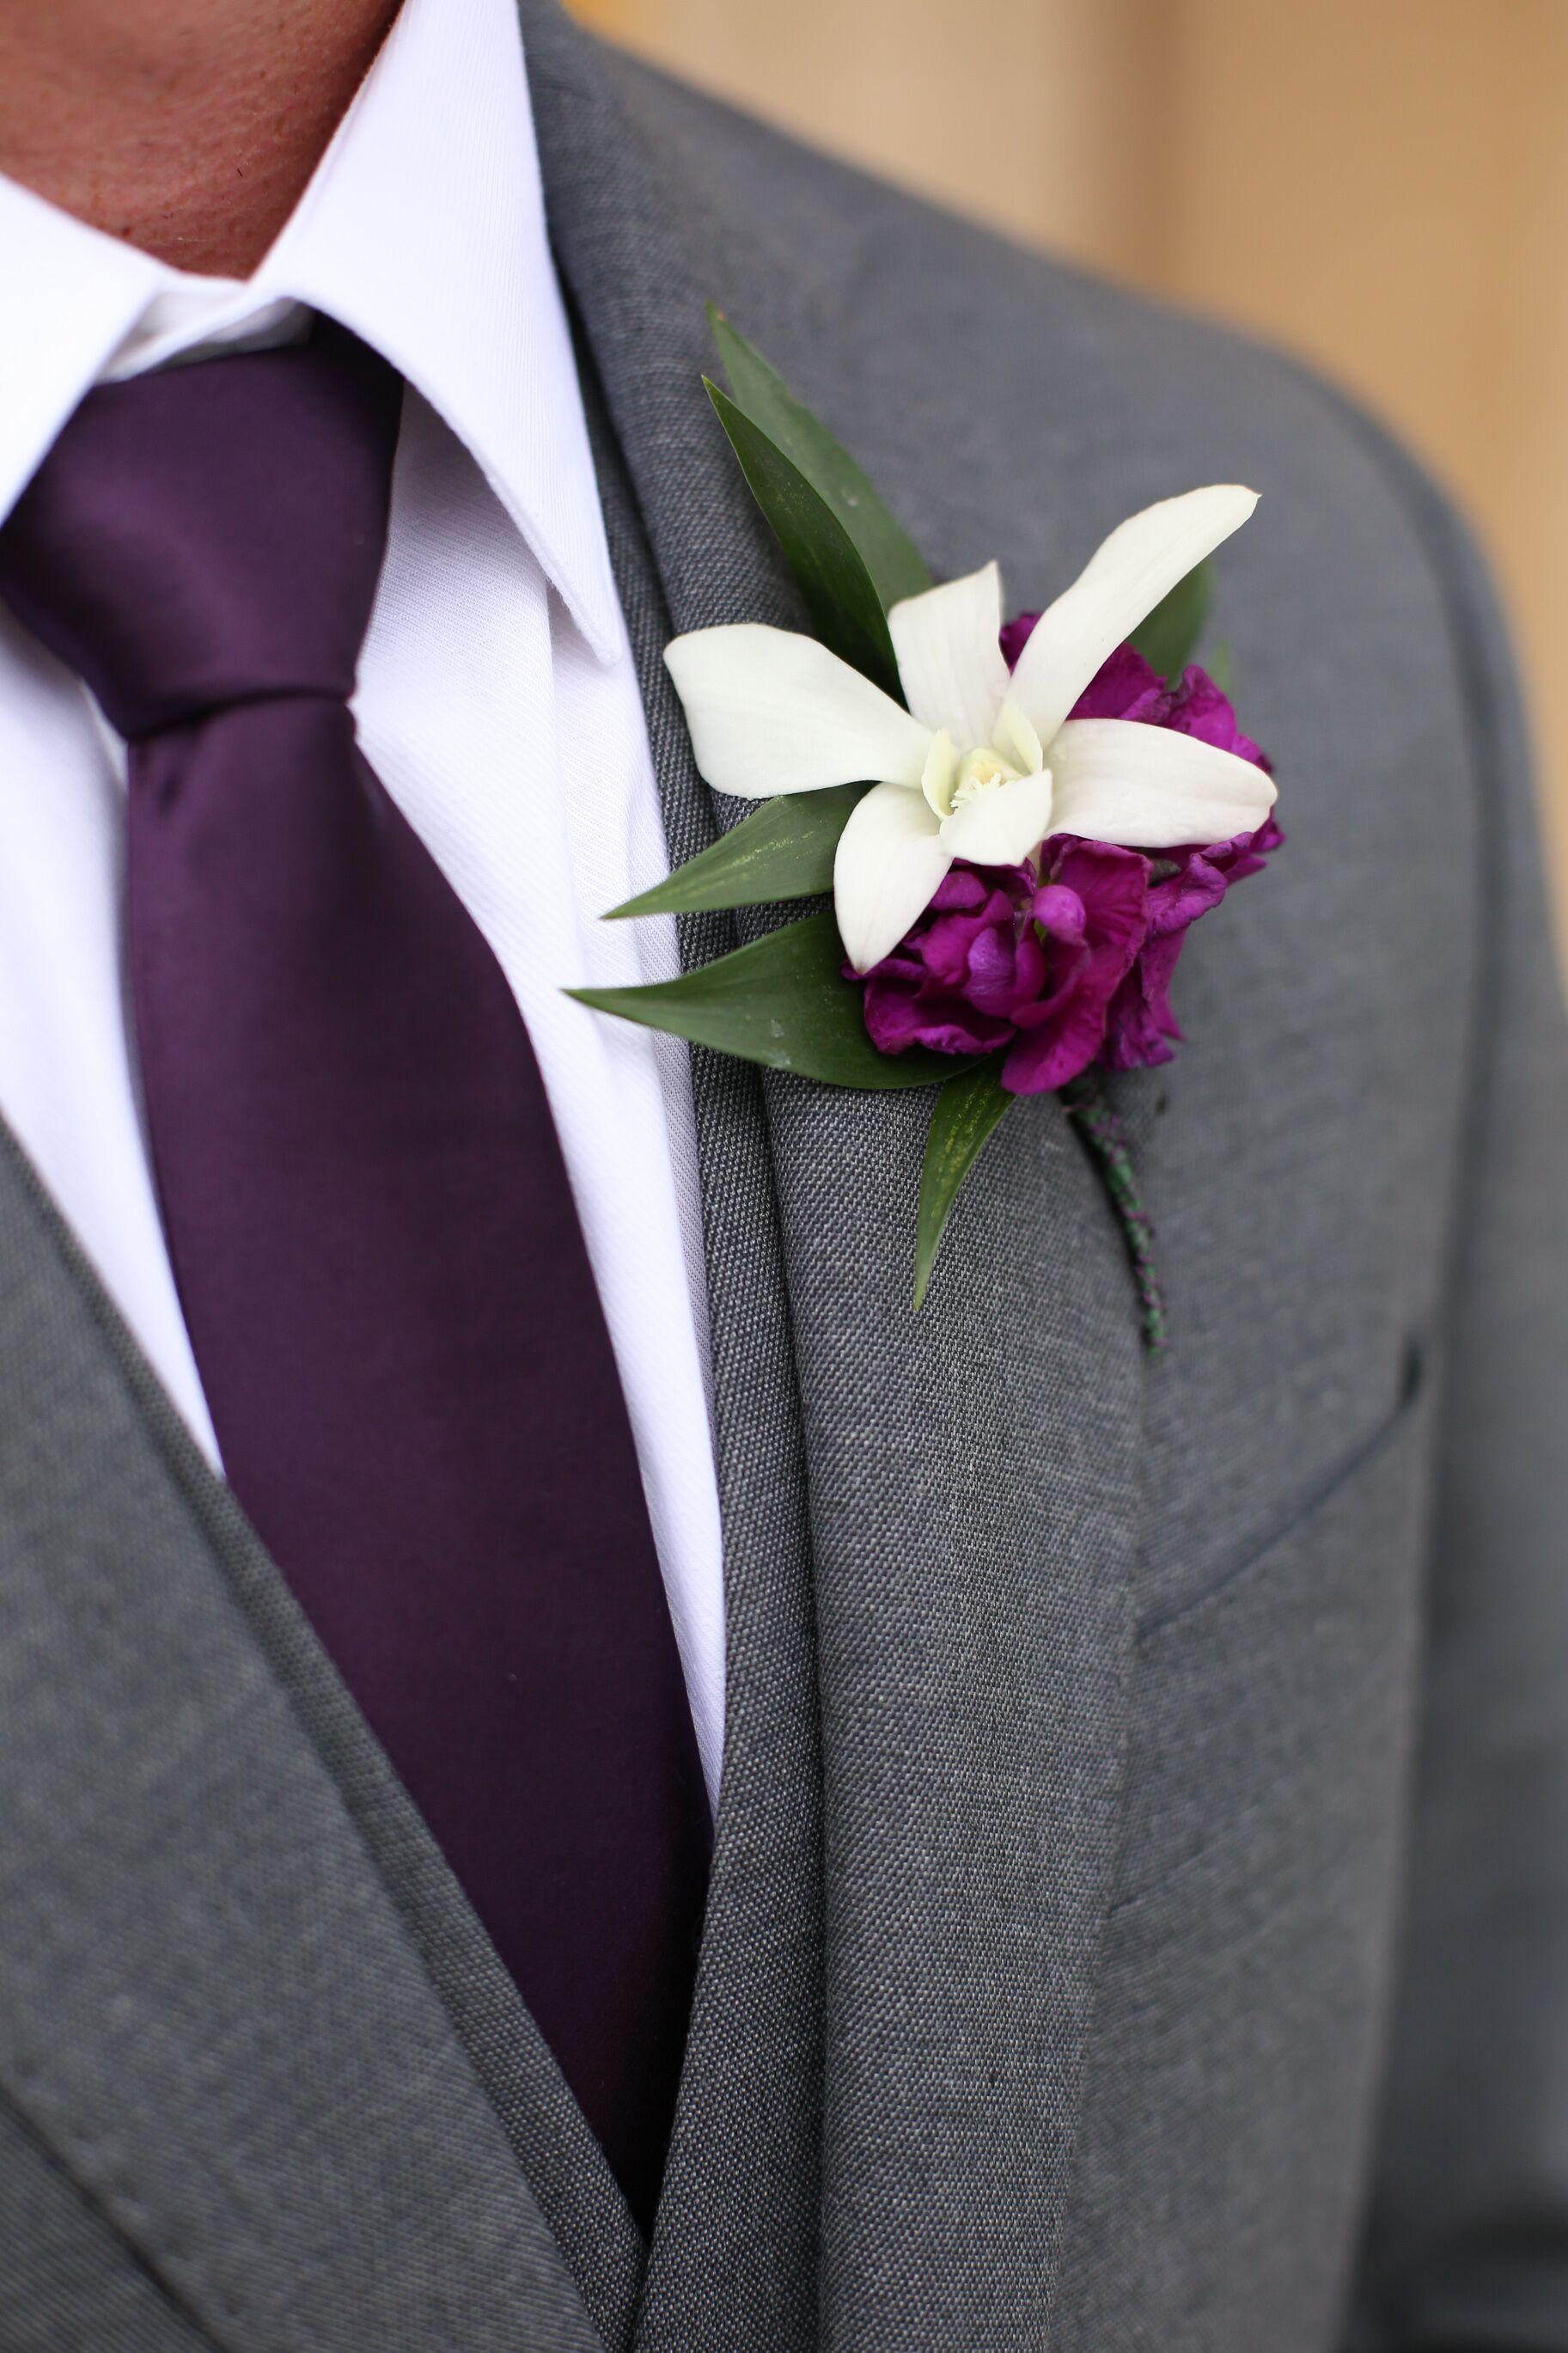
[{"x": 1018, "y": 820}]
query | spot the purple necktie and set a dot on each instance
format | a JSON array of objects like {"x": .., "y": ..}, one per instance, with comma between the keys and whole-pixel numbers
[{"x": 369, "y": 1219}]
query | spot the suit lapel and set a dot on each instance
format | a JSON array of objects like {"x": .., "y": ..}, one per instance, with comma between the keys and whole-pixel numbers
[
  {"x": 971, "y": 1474},
  {"x": 734, "y": 2259}
]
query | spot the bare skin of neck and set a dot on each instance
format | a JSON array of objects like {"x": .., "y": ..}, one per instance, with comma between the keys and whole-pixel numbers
[{"x": 186, "y": 127}]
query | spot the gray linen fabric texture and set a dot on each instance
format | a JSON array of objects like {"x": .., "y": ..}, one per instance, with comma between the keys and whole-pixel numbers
[{"x": 1140, "y": 1909}]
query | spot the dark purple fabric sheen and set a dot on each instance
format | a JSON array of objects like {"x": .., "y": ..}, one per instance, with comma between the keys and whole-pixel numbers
[{"x": 369, "y": 1221}]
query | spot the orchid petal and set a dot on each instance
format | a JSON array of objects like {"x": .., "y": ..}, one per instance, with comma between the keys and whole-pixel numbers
[
  {"x": 950, "y": 660},
  {"x": 1118, "y": 587},
  {"x": 771, "y": 711},
  {"x": 1003, "y": 825},
  {"x": 1015, "y": 738},
  {"x": 890, "y": 861},
  {"x": 940, "y": 773},
  {"x": 1151, "y": 787}
]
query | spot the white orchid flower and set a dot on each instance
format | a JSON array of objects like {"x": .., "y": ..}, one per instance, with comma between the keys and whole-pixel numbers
[{"x": 981, "y": 765}]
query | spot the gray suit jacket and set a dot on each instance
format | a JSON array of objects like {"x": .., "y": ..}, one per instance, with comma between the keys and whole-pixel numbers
[{"x": 1140, "y": 1906}]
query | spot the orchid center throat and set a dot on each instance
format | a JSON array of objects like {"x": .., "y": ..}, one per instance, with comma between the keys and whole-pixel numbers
[{"x": 980, "y": 772}]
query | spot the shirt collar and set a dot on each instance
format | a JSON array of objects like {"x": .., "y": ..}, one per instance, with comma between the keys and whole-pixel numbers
[{"x": 423, "y": 230}]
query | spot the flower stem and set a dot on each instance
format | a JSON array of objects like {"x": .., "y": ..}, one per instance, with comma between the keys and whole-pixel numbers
[{"x": 1102, "y": 1131}]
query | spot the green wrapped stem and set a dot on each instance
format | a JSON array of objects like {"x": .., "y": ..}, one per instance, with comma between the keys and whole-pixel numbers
[{"x": 1103, "y": 1134}]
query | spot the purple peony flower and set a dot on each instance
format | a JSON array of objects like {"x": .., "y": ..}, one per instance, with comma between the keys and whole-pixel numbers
[
  {"x": 1126, "y": 688},
  {"x": 958, "y": 981},
  {"x": 1185, "y": 882},
  {"x": 1000, "y": 959},
  {"x": 1072, "y": 967},
  {"x": 1091, "y": 906},
  {"x": 1141, "y": 1029}
]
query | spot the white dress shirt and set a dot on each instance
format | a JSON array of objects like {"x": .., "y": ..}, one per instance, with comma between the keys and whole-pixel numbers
[{"x": 496, "y": 701}]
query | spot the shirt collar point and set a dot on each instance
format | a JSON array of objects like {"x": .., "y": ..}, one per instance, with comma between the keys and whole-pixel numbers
[{"x": 588, "y": 592}]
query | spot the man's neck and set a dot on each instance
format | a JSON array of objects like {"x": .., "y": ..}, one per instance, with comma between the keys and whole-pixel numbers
[{"x": 188, "y": 129}]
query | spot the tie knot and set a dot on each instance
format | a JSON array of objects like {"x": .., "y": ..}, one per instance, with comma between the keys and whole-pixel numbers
[{"x": 212, "y": 534}]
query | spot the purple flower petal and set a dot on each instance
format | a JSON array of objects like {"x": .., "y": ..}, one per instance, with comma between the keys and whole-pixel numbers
[
  {"x": 1125, "y": 688},
  {"x": 1062, "y": 1033},
  {"x": 1062, "y": 912},
  {"x": 1072, "y": 965}
]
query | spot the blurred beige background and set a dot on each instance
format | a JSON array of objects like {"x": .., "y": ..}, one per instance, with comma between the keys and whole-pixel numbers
[{"x": 1380, "y": 185}]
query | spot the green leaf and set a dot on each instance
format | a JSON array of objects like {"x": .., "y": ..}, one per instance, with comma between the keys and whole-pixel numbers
[
  {"x": 846, "y": 610},
  {"x": 783, "y": 1002},
  {"x": 1219, "y": 666},
  {"x": 1168, "y": 640},
  {"x": 783, "y": 851},
  {"x": 967, "y": 1109},
  {"x": 889, "y": 554}
]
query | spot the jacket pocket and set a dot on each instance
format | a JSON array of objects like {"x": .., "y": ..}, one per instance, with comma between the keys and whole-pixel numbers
[{"x": 1255, "y": 1699}]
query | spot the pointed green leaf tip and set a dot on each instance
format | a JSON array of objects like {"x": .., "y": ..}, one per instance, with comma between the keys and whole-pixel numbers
[
  {"x": 782, "y": 1001},
  {"x": 783, "y": 851},
  {"x": 967, "y": 1110},
  {"x": 1168, "y": 640},
  {"x": 890, "y": 558},
  {"x": 845, "y": 611}
]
